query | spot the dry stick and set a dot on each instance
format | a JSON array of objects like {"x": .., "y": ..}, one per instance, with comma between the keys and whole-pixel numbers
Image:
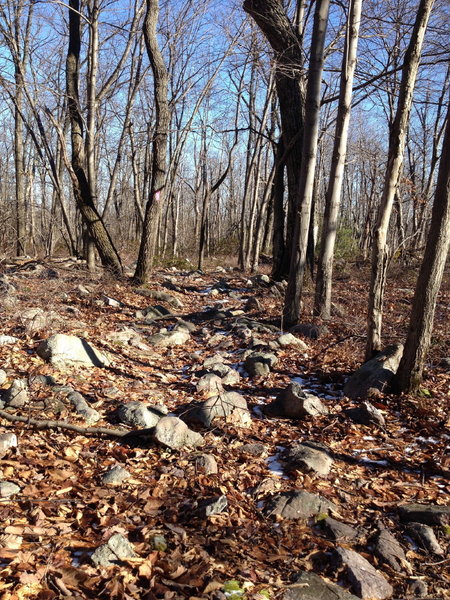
[{"x": 48, "y": 424}]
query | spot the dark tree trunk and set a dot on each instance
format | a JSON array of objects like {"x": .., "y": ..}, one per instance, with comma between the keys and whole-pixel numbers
[
  {"x": 82, "y": 191},
  {"x": 147, "y": 250}
]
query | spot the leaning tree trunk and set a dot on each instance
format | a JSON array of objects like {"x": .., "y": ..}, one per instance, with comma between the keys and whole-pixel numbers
[
  {"x": 294, "y": 289},
  {"x": 409, "y": 374},
  {"x": 82, "y": 191},
  {"x": 154, "y": 204},
  {"x": 322, "y": 305},
  {"x": 397, "y": 138},
  {"x": 286, "y": 41}
]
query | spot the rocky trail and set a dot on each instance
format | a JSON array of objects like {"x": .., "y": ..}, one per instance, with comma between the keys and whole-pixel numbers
[{"x": 173, "y": 441}]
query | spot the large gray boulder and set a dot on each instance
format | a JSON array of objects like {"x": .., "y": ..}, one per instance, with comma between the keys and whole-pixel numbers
[
  {"x": 69, "y": 350},
  {"x": 375, "y": 375}
]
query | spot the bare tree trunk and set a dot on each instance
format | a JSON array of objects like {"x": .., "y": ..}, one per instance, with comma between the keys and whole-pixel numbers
[
  {"x": 155, "y": 201},
  {"x": 286, "y": 41},
  {"x": 322, "y": 304},
  {"x": 80, "y": 182},
  {"x": 397, "y": 138},
  {"x": 409, "y": 374},
  {"x": 294, "y": 289}
]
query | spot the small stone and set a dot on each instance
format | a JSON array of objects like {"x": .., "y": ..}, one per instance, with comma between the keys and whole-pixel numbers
[
  {"x": 7, "y": 441},
  {"x": 425, "y": 537},
  {"x": 309, "y": 458},
  {"x": 174, "y": 433},
  {"x": 339, "y": 531},
  {"x": 8, "y": 488},
  {"x": 366, "y": 414},
  {"x": 116, "y": 549},
  {"x": 111, "y": 302},
  {"x": 84, "y": 291},
  {"x": 17, "y": 394},
  {"x": 223, "y": 405},
  {"x": 367, "y": 582},
  {"x": 82, "y": 408},
  {"x": 255, "y": 449},
  {"x": 168, "y": 339},
  {"x": 298, "y": 505},
  {"x": 210, "y": 383},
  {"x": 7, "y": 339},
  {"x": 417, "y": 588},
  {"x": 259, "y": 363},
  {"x": 138, "y": 414},
  {"x": 68, "y": 350},
  {"x": 206, "y": 464},
  {"x": 159, "y": 543},
  {"x": 115, "y": 475},
  {"x": 3, "y": 376},
  {"x": 151, "y": 313},
  {"x": 287, "y": 339},
  {"x": 213, "y": 506}
]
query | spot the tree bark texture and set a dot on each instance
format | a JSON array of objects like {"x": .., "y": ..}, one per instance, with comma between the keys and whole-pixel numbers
[
  {"x": 322, "y": 305},
  {"x": 409, "y": 374},
  {"x": 292, "y": 303},
  {"x": 82, "y": 191},
  {"x": 397, "y": 139},
  {"x": 285, "y": 41},
  {"x": 155, "y": 201}
]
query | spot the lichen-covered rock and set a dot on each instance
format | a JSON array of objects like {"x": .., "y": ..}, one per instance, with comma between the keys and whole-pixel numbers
[
  {"x": 69, "y": 350},
  {"x": 206, "y": 464}
]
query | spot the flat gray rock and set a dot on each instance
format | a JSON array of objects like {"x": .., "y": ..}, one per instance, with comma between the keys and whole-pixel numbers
[
  {"x": 7, "y": 339},
  {"x": 8, "y": 488},
  {"x": 138, "y": 414},
  {"x": 174, "y": 433},
  {"x": 338, "y": 531},
  {"x": 116, "y": 549},
  {"x": 309, "y": 458},
  {"x": 367, "y": 582},
  {"x": 425, "y": 537},
  {"x": 389, "y": 551},
  {"x": 429, "y": 514},
  {"x": 115, "y": 475},
  {"x": 68, "y": 350},
  {"x": 297, "y": 505},
  {"x": 309, "y": 586},
  {"x": 7, "y": 441},
  {"x": 375, "y": 375}
]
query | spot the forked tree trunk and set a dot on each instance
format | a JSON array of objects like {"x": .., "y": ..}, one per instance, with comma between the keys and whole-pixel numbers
[
  {"x": 82, "y": 191},
  {"x": 155, "y": 201},
  {"x": 409, "y": 374},
  {"x": 397, "y": 138},
  {"x": 322, "y": 304},
  {"x": 294, "y": 289}
]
